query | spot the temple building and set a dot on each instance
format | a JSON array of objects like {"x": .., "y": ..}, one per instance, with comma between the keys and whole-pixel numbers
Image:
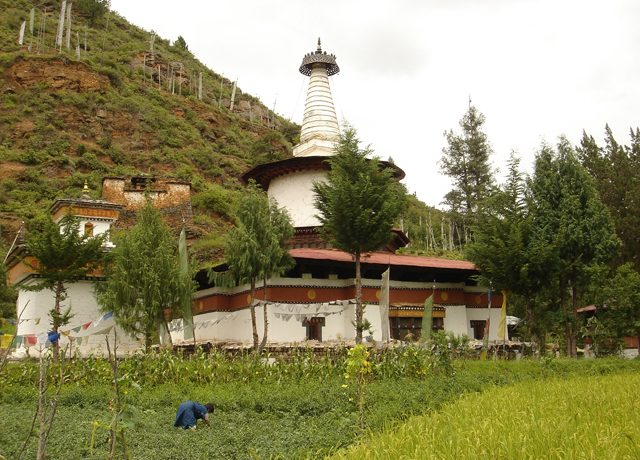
[
  {"x": 314, "y": 300},
  {"x": 121, "y": 198}
]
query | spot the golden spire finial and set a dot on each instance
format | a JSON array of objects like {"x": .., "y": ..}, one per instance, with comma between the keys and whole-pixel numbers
[{"x": 85, "y": 190}]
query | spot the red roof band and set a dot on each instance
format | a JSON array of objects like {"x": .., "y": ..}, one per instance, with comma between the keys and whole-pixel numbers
[{"x": 382, "y": 258}]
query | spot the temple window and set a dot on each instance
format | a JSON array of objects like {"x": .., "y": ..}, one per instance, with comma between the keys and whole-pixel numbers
[
  {"x": 478, "y": 328},
  {"x": 314, "y": 328},
  {"x": 88, "y": 229}
]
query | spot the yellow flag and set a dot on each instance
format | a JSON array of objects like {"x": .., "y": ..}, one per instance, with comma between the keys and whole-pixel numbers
[{"x": 502, "y": 327}]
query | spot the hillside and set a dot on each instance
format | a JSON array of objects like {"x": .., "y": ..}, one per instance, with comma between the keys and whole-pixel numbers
[
  {"x": 123, "y": 101},
  {"x": 125, "y": 107}
]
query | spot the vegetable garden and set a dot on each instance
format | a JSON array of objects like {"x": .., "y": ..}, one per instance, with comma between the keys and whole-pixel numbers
[{"x": 301, "y": 405}]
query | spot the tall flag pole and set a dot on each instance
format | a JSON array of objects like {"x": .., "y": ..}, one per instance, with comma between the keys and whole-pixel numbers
[
  {"x": 384, "y": 305},
  {"x": 187, "y": 314},
  {"x": 425, "y": 334}
]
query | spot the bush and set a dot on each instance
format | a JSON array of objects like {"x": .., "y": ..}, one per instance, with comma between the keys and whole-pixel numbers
[{"x": 215, "y": 199}]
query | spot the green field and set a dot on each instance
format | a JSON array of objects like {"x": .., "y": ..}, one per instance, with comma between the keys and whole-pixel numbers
[
  {"x": 298, "y": 408},
  {"x": 578, "y": 418}
]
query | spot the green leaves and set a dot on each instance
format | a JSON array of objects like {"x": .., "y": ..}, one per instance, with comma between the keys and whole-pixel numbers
[
  {"x": 466, "y": 161},
  {"x": 144, "y": 278},
  {"x": 255, "y": 247},
  {"x": 361, "y": 200}
]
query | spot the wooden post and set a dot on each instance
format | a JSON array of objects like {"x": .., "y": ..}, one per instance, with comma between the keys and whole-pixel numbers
[
  {"x": 69, "y": 25},
  {"x": 23, "y": 26},
  {"x": 32, "y": 19},
  {"x": 63, "y": 9},
  {"x": 200, "y": 86},
  {"x": 78, "y": 45},
  {"x": 233, "y": 95}
]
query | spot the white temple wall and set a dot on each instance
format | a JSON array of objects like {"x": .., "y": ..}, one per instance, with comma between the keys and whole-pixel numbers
[
  {"x": 84, "y": 308},
  {"x": 295, "y": 193},
  {"x": 455, "y": 320},
  {"x": 481, "y": 315}
]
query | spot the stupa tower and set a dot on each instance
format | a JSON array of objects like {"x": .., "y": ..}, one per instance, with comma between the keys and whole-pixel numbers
[
  {"x": 290, "y": 182},
  {"x": 320, "y": 129}
]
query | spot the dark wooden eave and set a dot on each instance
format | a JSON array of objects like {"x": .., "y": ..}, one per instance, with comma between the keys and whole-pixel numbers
[{"x": 263, "y": 174}]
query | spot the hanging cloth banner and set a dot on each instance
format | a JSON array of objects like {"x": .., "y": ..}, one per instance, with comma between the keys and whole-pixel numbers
[
  {"x": 187, "y": 314},
  {"x": 384, "y": 305},
  {"x": 425, "y": 334}
]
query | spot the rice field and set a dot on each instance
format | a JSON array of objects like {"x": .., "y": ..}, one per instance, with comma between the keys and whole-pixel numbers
[{"x": 577, "y": 418}]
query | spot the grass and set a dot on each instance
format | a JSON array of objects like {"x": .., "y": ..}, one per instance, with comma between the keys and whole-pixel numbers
[
  {"x": 295, "y": 409},
  {"x": 581, "y": 417}
]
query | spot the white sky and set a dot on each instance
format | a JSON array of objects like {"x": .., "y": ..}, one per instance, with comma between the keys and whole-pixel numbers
[{"x": 536, "y": 68}]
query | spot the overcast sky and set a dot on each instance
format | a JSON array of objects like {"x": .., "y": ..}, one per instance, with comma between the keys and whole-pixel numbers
[{"x": 536, "y": 68}]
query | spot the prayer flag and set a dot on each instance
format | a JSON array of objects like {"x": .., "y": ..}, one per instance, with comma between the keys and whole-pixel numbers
[
  {"x": 86, "y": 325},
  {"x": 502, "y": 326},
  {"x": 426, "y": 319},
  {"x": 76, "y": 329},
  {"x": 384, "y": 305},
  {"x": 187, "y": 314},
  {"x": 30, "y": 340},
  {"x": 53, "y": 336}
]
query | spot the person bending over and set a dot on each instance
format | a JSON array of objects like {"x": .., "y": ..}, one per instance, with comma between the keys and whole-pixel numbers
[{"x": 190, "y": 412}]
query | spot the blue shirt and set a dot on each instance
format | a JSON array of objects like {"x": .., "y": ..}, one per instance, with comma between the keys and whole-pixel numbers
[{"x": 188, "y": 413}]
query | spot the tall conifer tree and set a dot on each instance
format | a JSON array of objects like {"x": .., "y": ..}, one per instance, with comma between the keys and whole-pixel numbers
[
  {"x": 466, "y": 161},
  {"x": 571, "y": 230},
  {"x": 357, "y": 207},
  {"x": 144, "y": 277},
  {"x": 63, "y": 254},
  {"x": 255, "y": 248}
]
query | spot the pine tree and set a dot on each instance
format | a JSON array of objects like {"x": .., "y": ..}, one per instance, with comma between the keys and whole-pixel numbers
[
  {"x": 616, "y": 171},
  {"x": 255, "y": 248},
  {"x": 63, "y": 254},
  {"x": 571, "y": 231},
  {"x": 144, "y": 278},
  {"x": 357, "y": 207},
  {"x": 466, "y": 161}
]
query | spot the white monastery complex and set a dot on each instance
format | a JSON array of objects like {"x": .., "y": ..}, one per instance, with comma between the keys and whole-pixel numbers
[{"x": 311, "y": 302}]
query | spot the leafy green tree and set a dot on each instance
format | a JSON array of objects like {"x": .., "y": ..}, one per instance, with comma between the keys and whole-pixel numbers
[
  {"x": 466, "y": 161},
  {"x": 143, "y": 277},
  {"x": 63, "y": 254},
  {"x": 7, "y": 293},
  {"x": 357, "y": 207},
  {"x": 255, "y": 248},
  {"x": 616, "y": 171},
  {"x": 616, "y": 292},
  {"x": 501, "y": 248},
  {"x": 181, "y": 43},
  {"x": 93, "y": 10},
  {"x": 571, "y": 231}
]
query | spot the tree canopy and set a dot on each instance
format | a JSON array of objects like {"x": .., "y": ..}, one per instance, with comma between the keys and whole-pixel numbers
[
  {"x": 465, "y": 160},
  {"x": 63, "y": 254},
  {"x": 255, "y": 248},
  {"x": 144, "y": 277},
  {"x": 358, "y": 206},
  {"x": 571, "y": 230}
]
